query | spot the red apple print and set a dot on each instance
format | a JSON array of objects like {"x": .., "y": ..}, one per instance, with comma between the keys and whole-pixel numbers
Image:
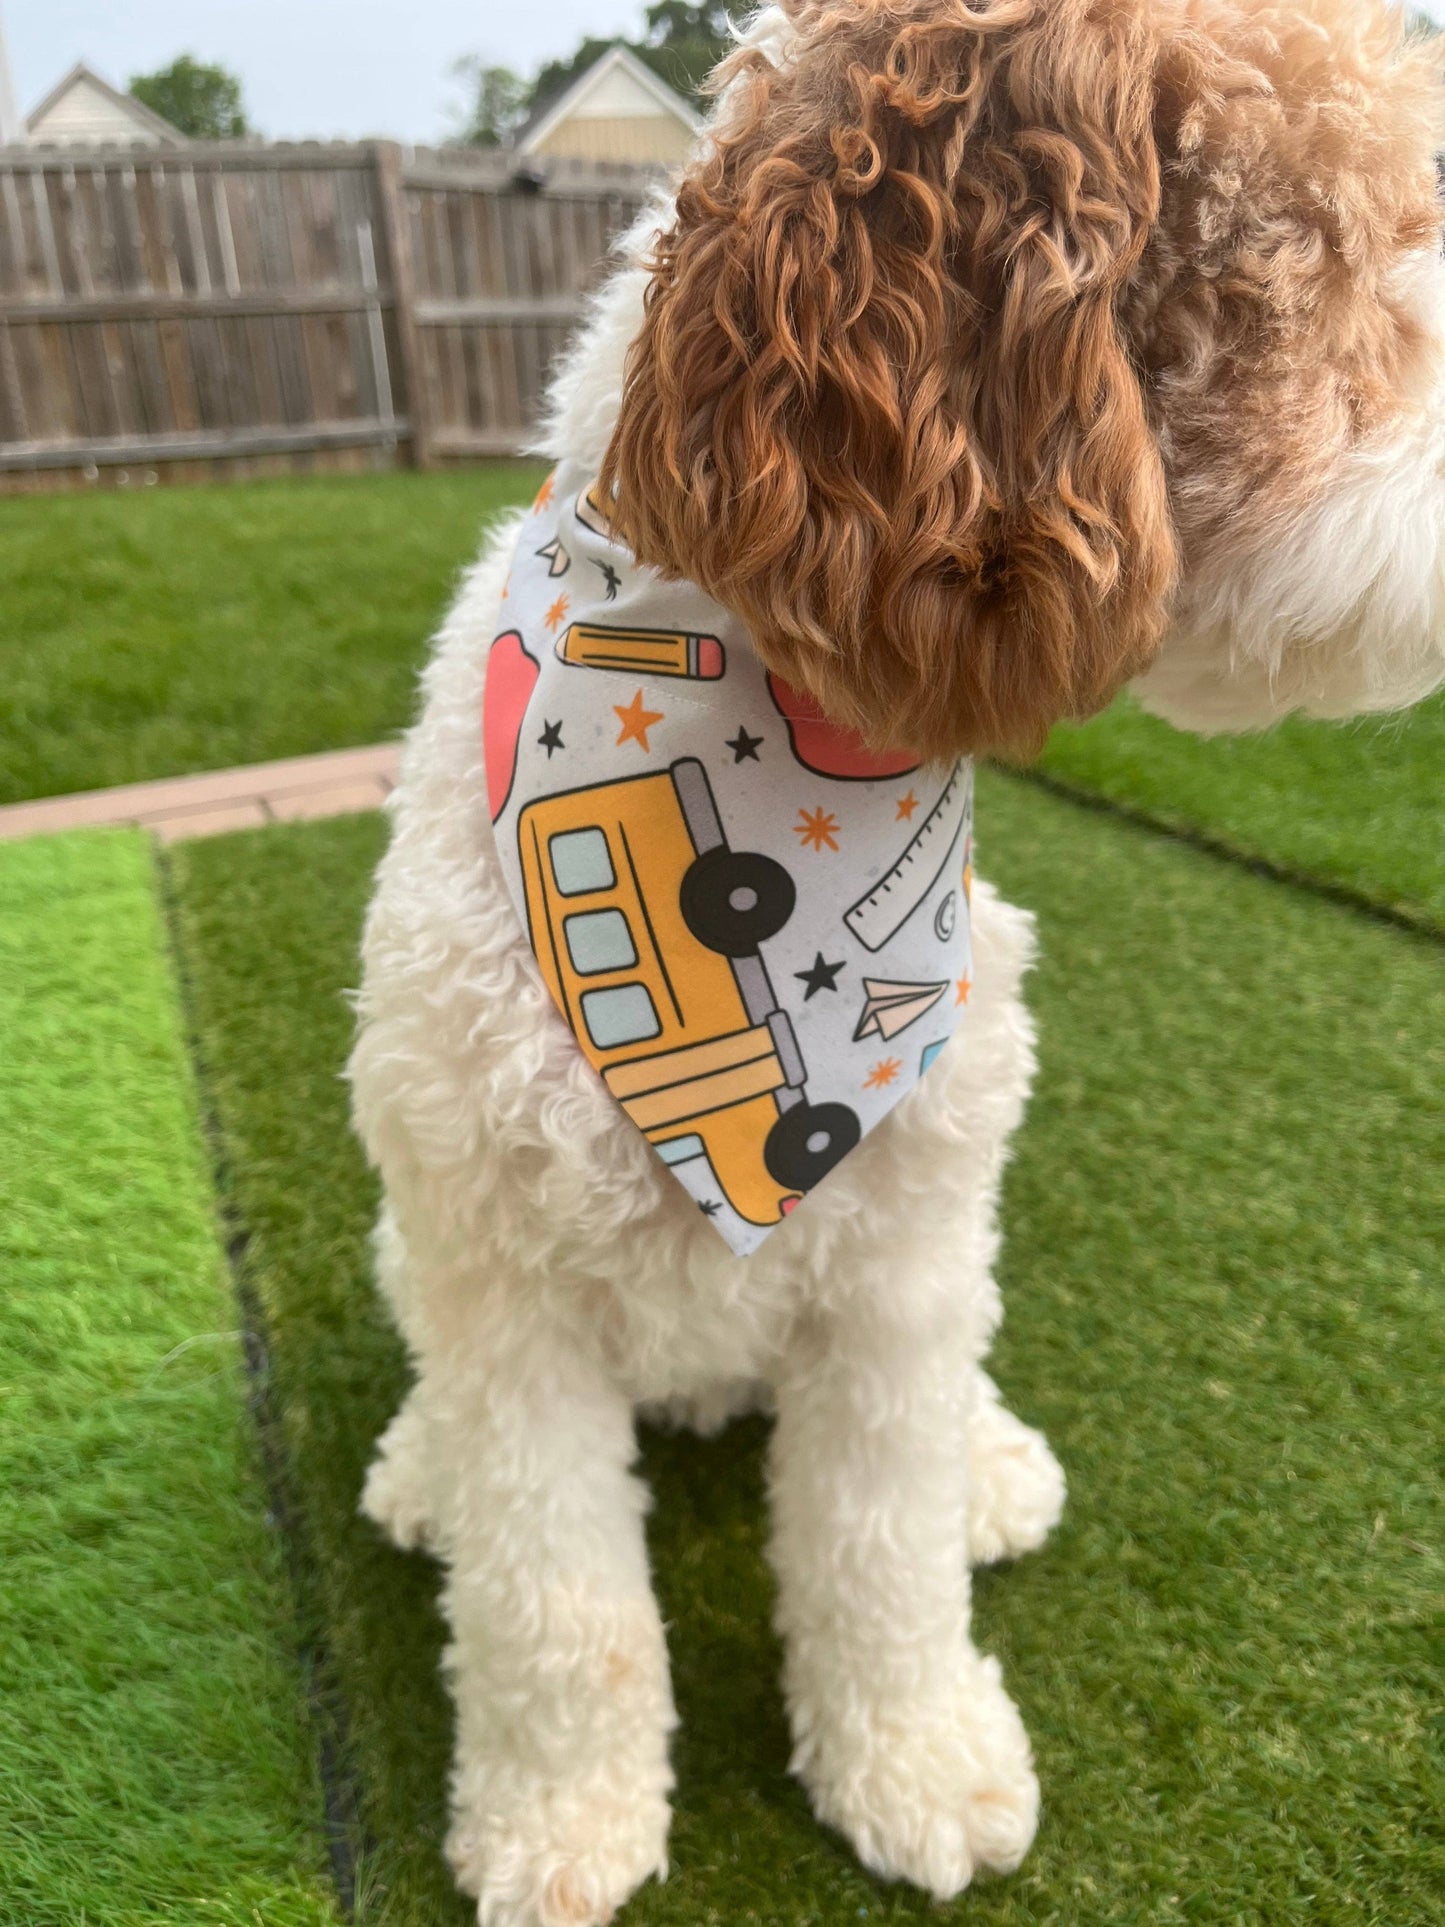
[
  {"x": 827, "y": 750},
  {"x": 511, "y": 677}
]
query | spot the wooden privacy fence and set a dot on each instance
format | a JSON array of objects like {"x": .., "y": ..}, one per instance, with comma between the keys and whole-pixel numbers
[{"x": 223, "y": 308}]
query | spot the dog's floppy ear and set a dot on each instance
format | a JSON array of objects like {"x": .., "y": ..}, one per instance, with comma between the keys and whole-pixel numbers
[{"x": 880, "y": 404}]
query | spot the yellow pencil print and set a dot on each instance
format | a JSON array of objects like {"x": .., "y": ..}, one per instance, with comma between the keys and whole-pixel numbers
[{"x": 656, "y": 652}]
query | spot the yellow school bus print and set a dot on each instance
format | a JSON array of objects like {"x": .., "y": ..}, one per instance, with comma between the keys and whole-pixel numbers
[{"x": 646, "y": 926}]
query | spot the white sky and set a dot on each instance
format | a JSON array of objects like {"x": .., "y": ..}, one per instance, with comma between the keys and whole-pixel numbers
[
  {"x": 333, "y": 68},
  {"x": 329, "y": 68}
]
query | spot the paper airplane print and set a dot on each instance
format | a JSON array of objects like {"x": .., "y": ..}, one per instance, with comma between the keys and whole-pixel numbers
[
  {"x": 891, "y": 1007},
  {"x": 754, "y": 928}
]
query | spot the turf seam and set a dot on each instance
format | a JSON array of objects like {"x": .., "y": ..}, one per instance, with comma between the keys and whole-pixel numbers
[
  {"x": 1224, "y": 1663},
  {"x": 346, "y": 1841},
  {"x": 1416, "y": 923}
]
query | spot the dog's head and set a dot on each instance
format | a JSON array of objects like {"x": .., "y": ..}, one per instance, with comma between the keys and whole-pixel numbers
[{"x": 1000, "y": 353}]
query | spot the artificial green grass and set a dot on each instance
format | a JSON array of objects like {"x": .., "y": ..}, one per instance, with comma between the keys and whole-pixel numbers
[
  {"x": 155, "y": 1759},
  {"x": 157, "y": 633},
  {"x": 1355, "y": 805},
  {"x": 1222, "y": 1273}
]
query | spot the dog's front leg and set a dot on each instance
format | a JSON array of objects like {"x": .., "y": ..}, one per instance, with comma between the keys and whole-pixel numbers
[
  {"x": 903, "y": 1733},
  {"x": 558, "y": 1664}
]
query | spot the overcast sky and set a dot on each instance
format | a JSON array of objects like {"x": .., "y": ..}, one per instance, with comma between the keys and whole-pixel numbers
[{"x": 334, "y": 68}]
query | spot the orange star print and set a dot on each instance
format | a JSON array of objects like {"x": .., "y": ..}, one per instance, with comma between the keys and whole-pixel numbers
[
  {"x": 673, "y": 887},
  {"x": 635, "y": 721},
  {"x": 818, "y": 828},
  {"x": 544, "y": 495}
]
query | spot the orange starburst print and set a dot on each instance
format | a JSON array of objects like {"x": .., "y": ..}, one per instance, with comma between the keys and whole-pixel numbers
[
  {"x": 883, "y": 1072},
  {"x": 906, "y": 806},
  {"x": 544, "y": 494},
  {"x": 635, "y": 721},
  {"x": 818, "y": 829},
  {"x": 554, "y": 615},
  {"x": 965, "y": 985}
]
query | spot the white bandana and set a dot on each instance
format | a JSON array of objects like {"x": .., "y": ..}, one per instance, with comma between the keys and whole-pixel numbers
[{"x": 756, "y": 931}]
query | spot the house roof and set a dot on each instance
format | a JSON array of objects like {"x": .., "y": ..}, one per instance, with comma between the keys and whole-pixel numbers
[
  {"x": 143, "y": 116},
  {"x": 576, "y": 97}
]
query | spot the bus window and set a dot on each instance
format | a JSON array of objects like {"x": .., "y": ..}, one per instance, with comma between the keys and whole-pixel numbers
[
  {"x": 580, "y": 862},
  {"x": 621, "y": 1015},
  {"x": 682, "y": 1150},
  {"x": 599, "y": 940}
]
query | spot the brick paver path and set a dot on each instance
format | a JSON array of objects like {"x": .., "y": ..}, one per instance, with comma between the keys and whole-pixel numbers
[{"x": 336, "y": 784}]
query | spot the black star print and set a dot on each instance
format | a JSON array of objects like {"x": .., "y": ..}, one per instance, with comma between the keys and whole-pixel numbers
[
  {"x": 743, "y": 746},
  {"x": 710, "y": 1207},
  {"x": 551, "y": 738},
  {"x": 818, "y": 976},
  {"x": 611, "y": 579}
]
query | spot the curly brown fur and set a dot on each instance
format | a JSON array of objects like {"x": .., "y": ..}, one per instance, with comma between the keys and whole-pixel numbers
[
  {"x": 971, "y": 324},
  {"x": 881, "y": 404},
  {"x": 1297, "y": 157}
]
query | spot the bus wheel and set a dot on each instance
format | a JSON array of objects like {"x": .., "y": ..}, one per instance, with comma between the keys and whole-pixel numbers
[
  {"x": 733, "y": 900},
  {"x": 807, "y": 1141}
]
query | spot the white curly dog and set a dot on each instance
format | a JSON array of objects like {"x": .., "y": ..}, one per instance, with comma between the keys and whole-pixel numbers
[{"x": 1276, "y": 285}]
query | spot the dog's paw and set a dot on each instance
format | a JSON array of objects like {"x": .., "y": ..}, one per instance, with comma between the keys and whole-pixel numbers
[
  {"x": 1016, "y": 1486},
  {"x": 396, "y": 1495},
  {"x": 565, "y": 1858},
  {"x": 932, "y": 1794}
]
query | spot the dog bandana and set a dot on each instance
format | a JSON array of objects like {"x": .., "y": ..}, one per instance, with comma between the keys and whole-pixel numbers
[{"x": 756, "y": 930}]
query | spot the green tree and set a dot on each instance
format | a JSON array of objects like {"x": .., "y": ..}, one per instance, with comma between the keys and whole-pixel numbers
[
  {"x": 682, "y": 42},
  {"x": 497, "y": 103},
  {"x": 685, "y": 40},
  {"x": 553, "y": 79},
  {"x": 201, "y": 101}
]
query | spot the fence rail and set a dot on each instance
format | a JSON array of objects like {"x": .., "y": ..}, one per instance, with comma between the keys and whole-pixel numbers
[{"x": 231, "y": 308}]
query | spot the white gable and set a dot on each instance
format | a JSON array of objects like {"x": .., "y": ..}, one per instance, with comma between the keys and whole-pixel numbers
[
  {"x": 82, "y": 111},
  {"x": 616, "y": 94},
  {"x": 619, "y": 95}
]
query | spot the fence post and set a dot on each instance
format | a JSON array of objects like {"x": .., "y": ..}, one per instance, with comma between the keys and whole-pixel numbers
[{"x": 391, "y": 194}]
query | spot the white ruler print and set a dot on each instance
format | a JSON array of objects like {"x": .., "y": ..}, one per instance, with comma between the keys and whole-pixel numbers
[{"x": 893, "y": 899}]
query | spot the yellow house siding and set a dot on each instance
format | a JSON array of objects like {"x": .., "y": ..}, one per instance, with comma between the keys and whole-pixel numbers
[{"x": 656, "y": 138}]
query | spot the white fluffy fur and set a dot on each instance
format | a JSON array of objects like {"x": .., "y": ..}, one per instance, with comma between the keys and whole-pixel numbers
[
  {"x": 1341, "y": 610},
  {"x": 550, "y": 1278}
]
